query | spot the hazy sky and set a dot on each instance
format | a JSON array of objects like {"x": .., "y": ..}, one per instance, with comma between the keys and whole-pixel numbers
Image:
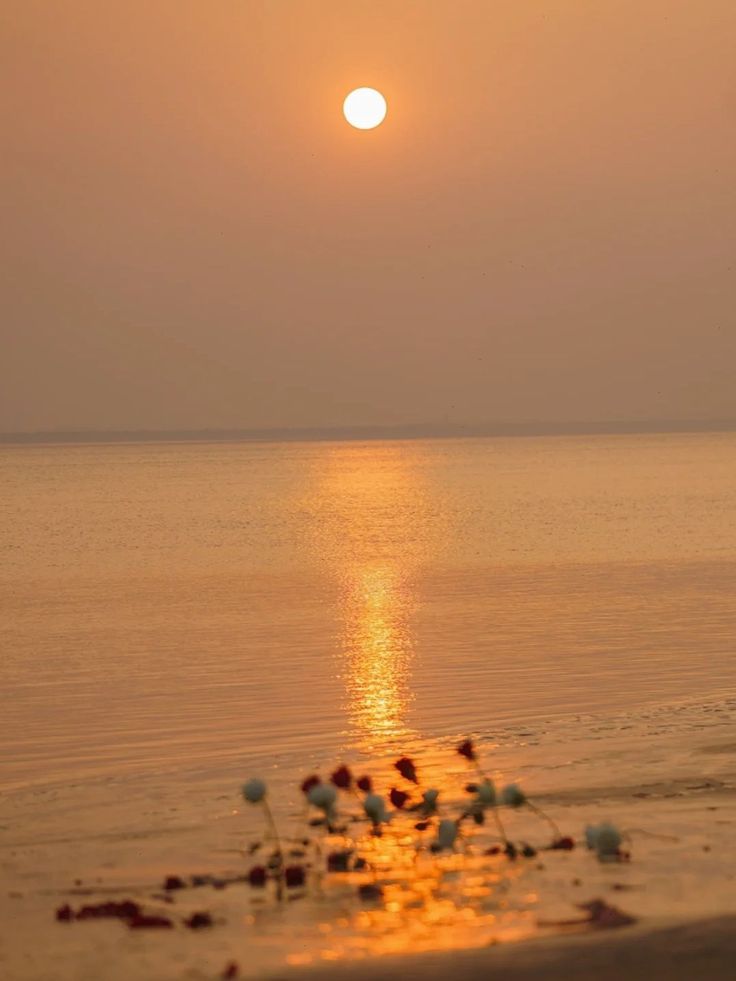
[{"x": 544, "y": 228}]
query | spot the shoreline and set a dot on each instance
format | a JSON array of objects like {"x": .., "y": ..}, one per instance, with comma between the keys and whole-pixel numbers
[{"x": 674, "y": 950}]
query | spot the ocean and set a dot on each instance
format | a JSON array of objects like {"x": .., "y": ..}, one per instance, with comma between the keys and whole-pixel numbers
[{"x": 169, "y": 607}]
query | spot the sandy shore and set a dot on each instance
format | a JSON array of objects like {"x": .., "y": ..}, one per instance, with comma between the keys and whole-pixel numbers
[
  {"x": 704, "y": 950},
  {"x": 668, "y": 774}
]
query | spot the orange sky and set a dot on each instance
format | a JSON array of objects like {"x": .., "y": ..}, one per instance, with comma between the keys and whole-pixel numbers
[{"x": 543, "y": 229}]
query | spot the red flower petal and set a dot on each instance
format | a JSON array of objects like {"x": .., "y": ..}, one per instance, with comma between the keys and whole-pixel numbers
[
  {"x": 144, "y": 921},
  {"x": 342, "y": 778},
  {"x": 398, "y": 798},
  {"x": 198, "y": 920},
  {"x": 339, "y": 861},
  {"x": 563, "y": 844},
  {"x": 406, "y": 768},
  {"x": 309, "y": 783},
  {"x": 365, "y": 784},
  {"x": 369, "y": 891},
  {"x": 294, "y": 876},
  {"x": 257, "y": 876}
]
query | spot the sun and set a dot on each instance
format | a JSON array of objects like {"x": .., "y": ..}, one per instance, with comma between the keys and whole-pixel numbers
[{"x": 364, "y": 108}]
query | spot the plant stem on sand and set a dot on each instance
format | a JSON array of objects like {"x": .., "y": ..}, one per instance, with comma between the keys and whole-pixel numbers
[{"x": 545, "y": 817}]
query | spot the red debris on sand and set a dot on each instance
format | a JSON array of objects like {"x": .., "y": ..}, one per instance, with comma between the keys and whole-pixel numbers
[
  {"x": 407, "y": 769},
  {"x": 198, "y": 920},
  {"x": 602, "y": 914},
  {"x": 342, "y": 777},
  {"x": 563, "y": 844},
  {"x": 173, "y": 882},
  {"x": 397, "y": 797},
  {"x": 493, "y": 850},
  {"x": 339, "y": 861},
  {"x": 467, "y": 750},
  {"x": 365, "y": 784},
  {"x": 369, "y": 891},
  {"x": 309, "y": 783},
  {"x": 125, "y": 910},
  {"x": 145, "y": 922},
  {"x": 294, "y": 876},
  {"x": 257, "y": 876},
  {"x": 471, "y": 788},
  {"x": 230, "y": 971}
]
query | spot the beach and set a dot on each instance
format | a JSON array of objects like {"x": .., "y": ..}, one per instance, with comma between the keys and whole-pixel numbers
[
  {"x": 176, "y": 627},
  {"x": 666, "y": 774}
]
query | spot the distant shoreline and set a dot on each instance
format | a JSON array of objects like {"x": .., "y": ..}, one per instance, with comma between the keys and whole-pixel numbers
[{"x": 363, "y": 433}]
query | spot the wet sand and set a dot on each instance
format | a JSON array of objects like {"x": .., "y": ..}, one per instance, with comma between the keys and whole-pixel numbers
[
  {"x": 666, "y": 773},
  {"x": 680, "y": 951}
]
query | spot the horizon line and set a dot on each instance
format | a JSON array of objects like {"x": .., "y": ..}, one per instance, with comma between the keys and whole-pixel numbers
[{"x": 395, "y": 431}]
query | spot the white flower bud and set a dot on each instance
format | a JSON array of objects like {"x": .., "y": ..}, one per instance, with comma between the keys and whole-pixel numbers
[
  {"x": 375, "y": 807},
  {"x": 322, "y": 795},
  {"x": 446, "y": 834},
  {"x": 429, "y": 798},
  {"x": 513, "y": 795},
  {"x": 487, "y": 793},
  {"x": 254, "y": 790},
  {"x": 608, "y": 840}
]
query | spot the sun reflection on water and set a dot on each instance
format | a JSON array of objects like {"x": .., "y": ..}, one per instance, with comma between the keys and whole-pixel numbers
[
  {"x": 428, "y": 902},
  {"x": 378, "y": 653},
  {"x": 371, "y": 504}
]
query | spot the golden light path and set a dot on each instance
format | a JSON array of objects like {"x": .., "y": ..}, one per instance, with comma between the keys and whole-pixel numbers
[
  {"x": 372, "y": 492},
  {"x": 377, "y": 646},
  {"x": 371, "y": 502}
]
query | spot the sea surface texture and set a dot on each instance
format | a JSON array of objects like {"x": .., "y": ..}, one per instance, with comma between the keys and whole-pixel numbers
[{"x": 172, "y": 607}]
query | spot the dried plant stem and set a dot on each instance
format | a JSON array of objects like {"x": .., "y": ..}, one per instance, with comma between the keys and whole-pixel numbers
[
  {"x": 279, "y": 851},
  {"x": 499, "y": 824},
  {"x": 545, "y": 817},
  {"x": 272, "y": 827},
  {"x": 494, "y": 808}
]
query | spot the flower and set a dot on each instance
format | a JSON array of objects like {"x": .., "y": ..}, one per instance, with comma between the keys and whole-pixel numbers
[
  {"x": 398, "y": 798},
  {"x": 294, "y": 876},
  {"x": 467, "y": 750},
  {"x": 429, "y": 801},
  {"x": 486, "y": 794},
  {"x": 339, "y": 861},
  {"x": 446, "y": 834},
  {"x": 375, "y": 807},
  {"x": 323, "y": 796},
  {"x": 342, "y": 777},
  {"x": 365, "y": 784},
  {"x": 309, "y": 783},
  {"x": 406, "y": 768},
  {"x": 513, "y": 796},
  {"x": 257, "y": 876},
  {"x": 605, "y": 839},
  {"x": 254, "y": 790}
]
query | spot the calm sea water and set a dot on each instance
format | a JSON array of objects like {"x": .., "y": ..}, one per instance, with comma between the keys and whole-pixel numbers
[{"x": 169, "y": 606}]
